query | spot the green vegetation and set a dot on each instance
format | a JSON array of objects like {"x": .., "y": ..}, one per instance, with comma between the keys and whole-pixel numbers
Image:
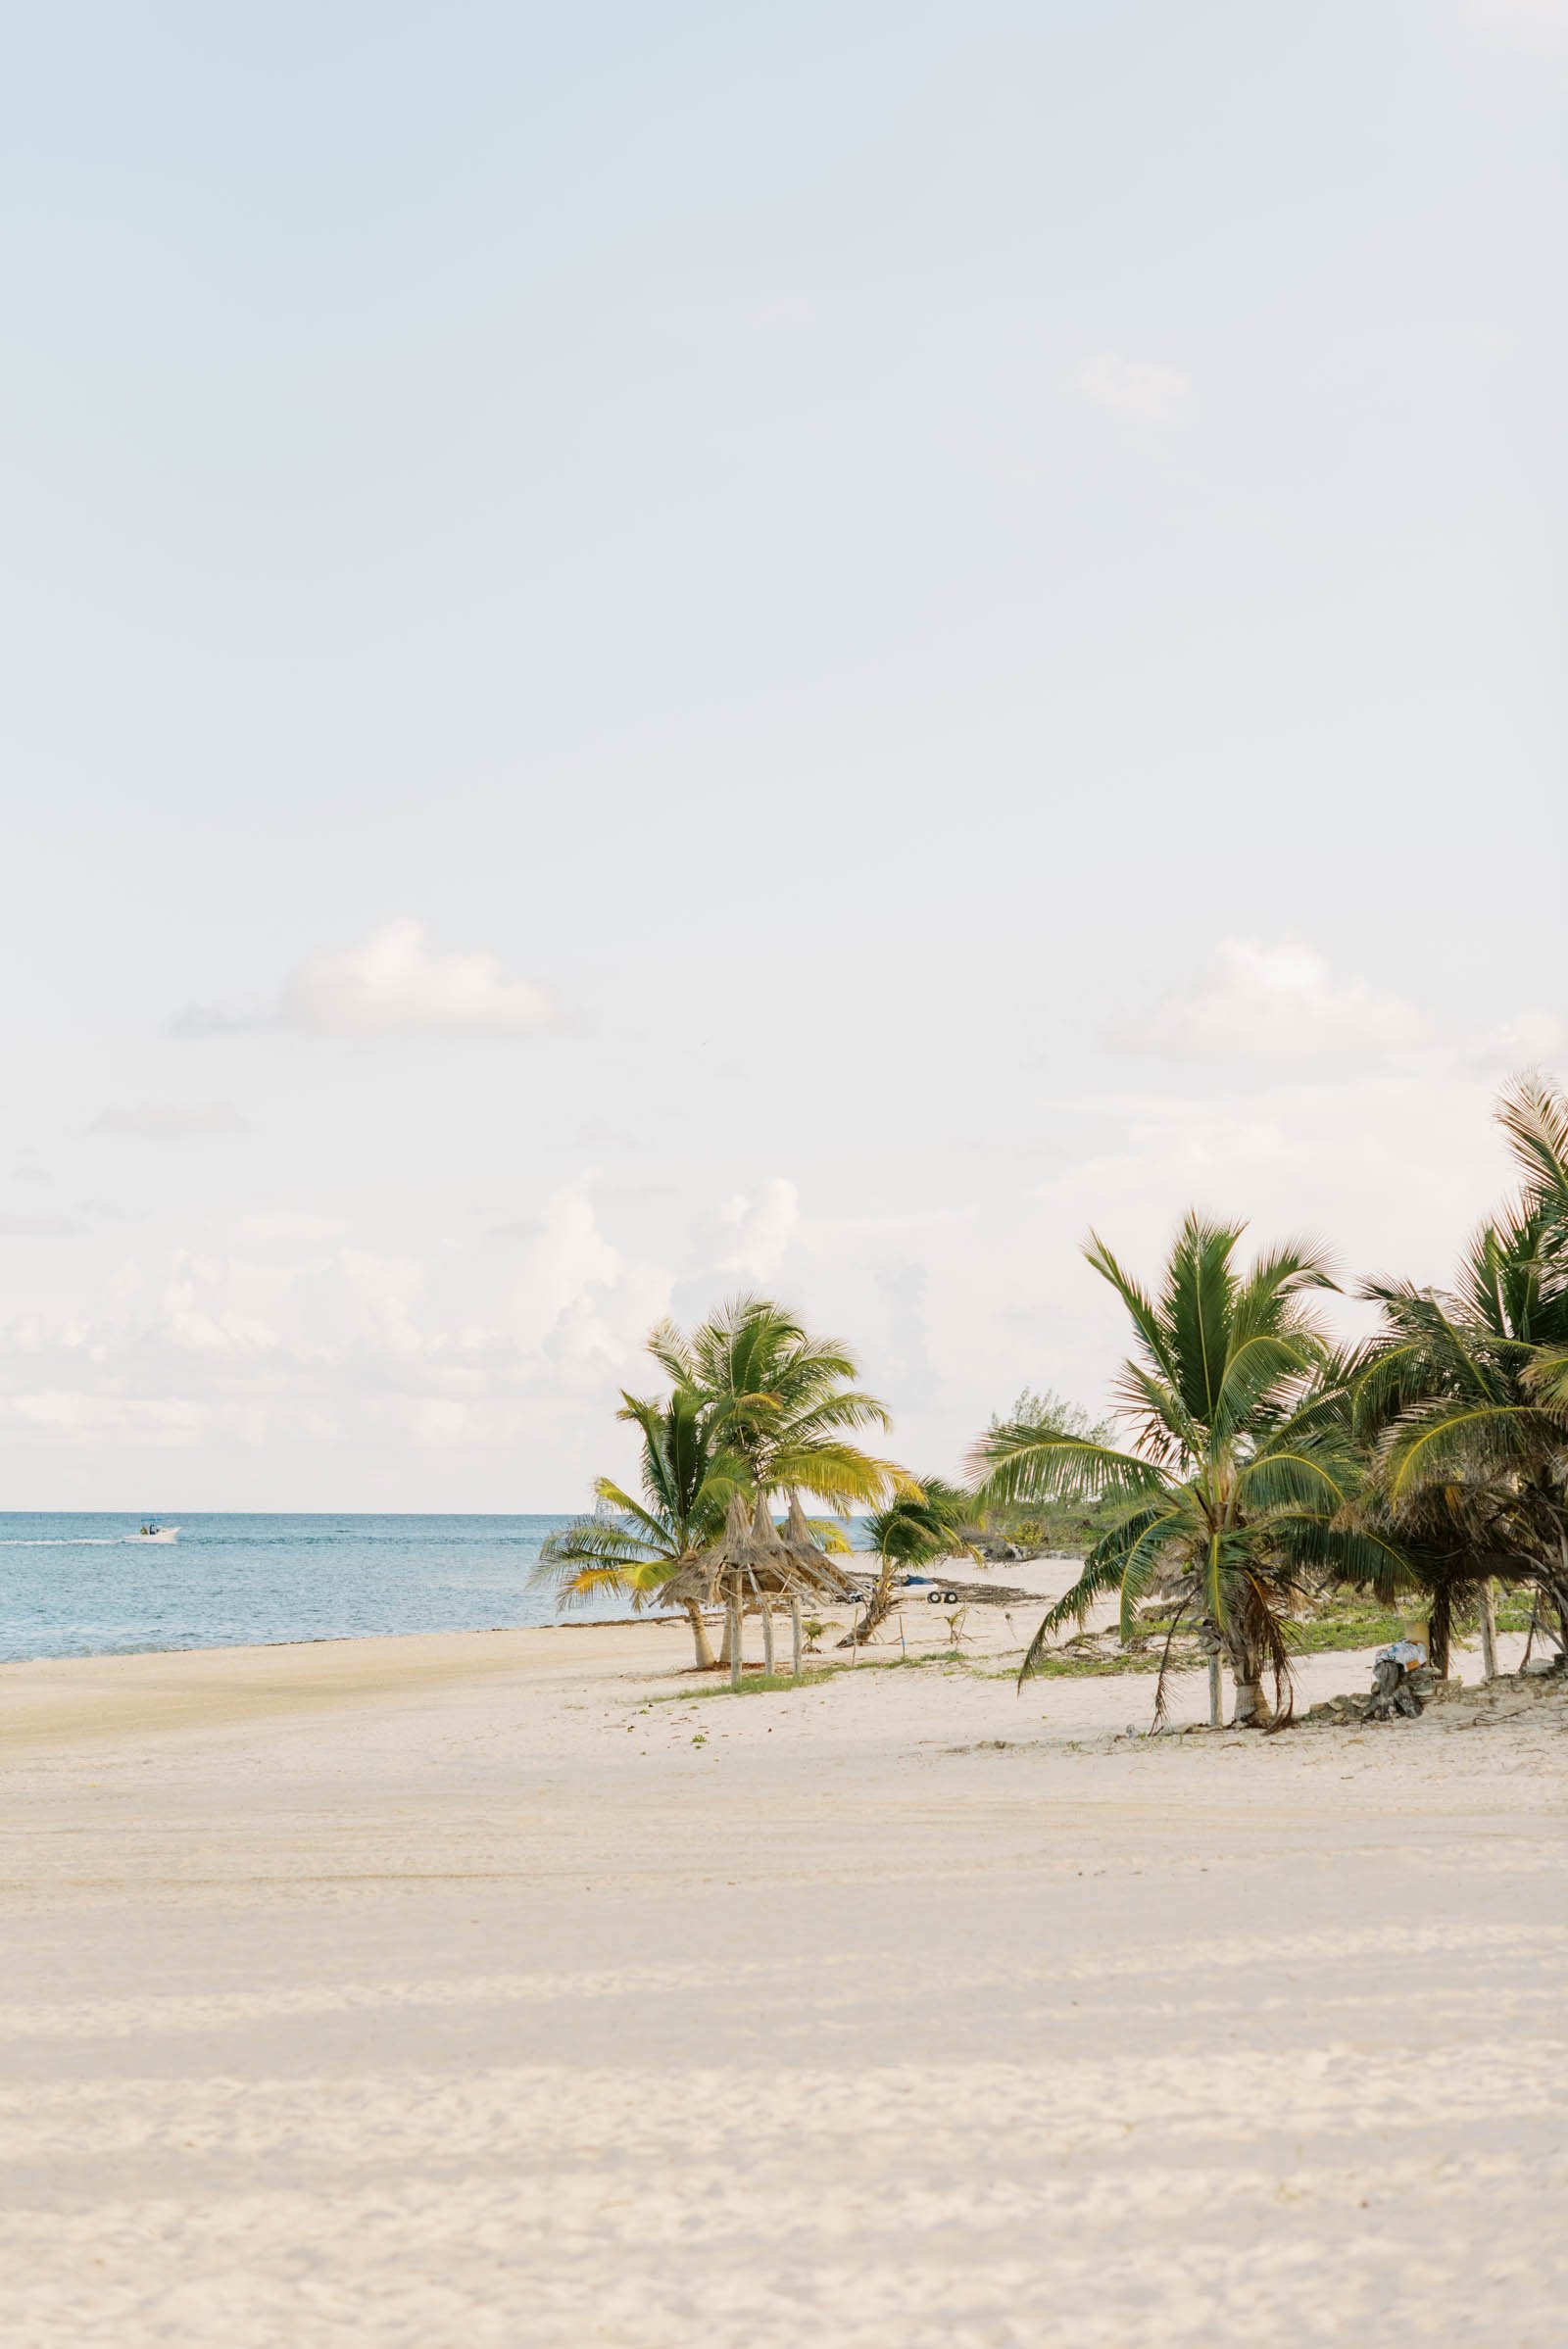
[
  {"x": 916, "y": 1528},
  {"x": 1055, "y": 1525},
  {"x": 1242, "y": 1459},
  {"x": 780, "y": 1402},
  {"x": 1260, "y": 1493},
  {"x": 628, "y": 1548},
  {"x": 757, "y": 1406}
]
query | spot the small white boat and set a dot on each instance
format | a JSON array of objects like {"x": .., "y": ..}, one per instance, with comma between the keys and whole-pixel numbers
[{"x": 154, "y": 1533}]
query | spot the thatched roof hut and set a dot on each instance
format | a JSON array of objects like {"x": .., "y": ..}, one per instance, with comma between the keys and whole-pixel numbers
[
  {"x": 751, "y": 1565},
  {"x": 751, "y": 1569}
]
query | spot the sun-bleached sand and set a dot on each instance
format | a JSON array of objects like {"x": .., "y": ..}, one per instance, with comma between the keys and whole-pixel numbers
[{"x": 504, "y": 1991}]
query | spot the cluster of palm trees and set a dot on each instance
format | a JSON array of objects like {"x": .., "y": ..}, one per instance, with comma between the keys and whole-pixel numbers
[
  {"x": 757, "y": 1406},
  {"x": 1263, "y": 1464},
  {"x": 1266, "y": 1463}
]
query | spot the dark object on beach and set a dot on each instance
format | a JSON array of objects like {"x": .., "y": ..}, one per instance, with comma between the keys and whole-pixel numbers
[{"x": 1393, "y": 1693}]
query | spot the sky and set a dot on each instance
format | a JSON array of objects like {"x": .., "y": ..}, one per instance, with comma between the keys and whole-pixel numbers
[{"x": 657, "y": 651}]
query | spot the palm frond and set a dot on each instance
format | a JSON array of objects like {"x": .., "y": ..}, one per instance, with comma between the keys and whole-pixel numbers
[
  {"x": 1022, "y": 1463},
  {"x": 1533, "y": 1114}
]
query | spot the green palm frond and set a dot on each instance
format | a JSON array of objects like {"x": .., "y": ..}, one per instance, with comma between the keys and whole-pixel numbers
[
  {"x": 781, "y": 1402},
  {"x": 1024, "y": 1463},
  {"x": 1534, "y": 1116}
]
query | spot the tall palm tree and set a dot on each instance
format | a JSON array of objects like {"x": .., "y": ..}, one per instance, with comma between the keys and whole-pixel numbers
[
  {"x": 912, "y": 1529},
  {"x": 1240, "y": 1464},
  {"x": 629, "y": 1549},
  {"x": 782, "y": 1401},
  {"x": 1464, "y": 1396}
]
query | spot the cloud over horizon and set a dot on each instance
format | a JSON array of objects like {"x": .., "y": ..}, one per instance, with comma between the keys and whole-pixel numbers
[
  {"x": 394, "y": 985},
  {"x": 1256, "y": 1000}
]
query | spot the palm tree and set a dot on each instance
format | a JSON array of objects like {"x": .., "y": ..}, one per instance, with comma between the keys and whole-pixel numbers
[
  {"x": 912, "y": 1529},
  {"x": 1241, "y": 1459},
  {"x": 629, "y": 1549},
  {"x": 782, "y": 1401},
  {"x": 1463, "y": 1396}
]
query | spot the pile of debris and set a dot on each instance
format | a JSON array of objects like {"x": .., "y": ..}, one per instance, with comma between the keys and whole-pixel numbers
[{"x": 1459, "y": 1706}]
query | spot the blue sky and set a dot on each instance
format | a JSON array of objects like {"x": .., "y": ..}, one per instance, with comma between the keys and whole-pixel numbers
[{"x": 652, "y": 650}]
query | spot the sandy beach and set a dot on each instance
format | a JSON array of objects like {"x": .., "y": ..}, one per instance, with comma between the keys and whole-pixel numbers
[{"x": 502, "y": 1990}]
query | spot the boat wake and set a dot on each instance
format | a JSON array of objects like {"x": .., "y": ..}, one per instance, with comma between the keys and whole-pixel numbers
[{"x": 66, "y": 1540}]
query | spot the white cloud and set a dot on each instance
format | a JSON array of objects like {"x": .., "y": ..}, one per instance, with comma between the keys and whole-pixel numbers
[
  {"x": 1535, "y": 23},
  {"x": 346, "y": 1344},
  {"x": 1134, "y": 387},
  {"x": 170, "y": 1122},
  {"x": 41, "y": 1227},
  {"x": 1271, "y": 1001},
  {"x": 74, "y": 1416},
  {"x": 393, "y": 985},
  {"x": 1534, "y": 1040},
  {"x": 755, "y": 1230}
]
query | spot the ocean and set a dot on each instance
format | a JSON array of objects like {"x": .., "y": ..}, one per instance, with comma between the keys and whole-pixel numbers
[{"x": 84, "y": 1585}]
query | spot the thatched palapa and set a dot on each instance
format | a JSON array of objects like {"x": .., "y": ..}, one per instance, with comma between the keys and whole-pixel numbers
[{"x": 751, "y": 1569}]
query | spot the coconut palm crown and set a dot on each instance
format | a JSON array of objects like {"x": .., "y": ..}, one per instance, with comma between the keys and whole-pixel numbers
[
  {"x": 1241, "y": 1461},
  {"x": 914, "y": 1528},
  {"x": 629, "y": 1549},
  {"x": 782, "y": 1401}
]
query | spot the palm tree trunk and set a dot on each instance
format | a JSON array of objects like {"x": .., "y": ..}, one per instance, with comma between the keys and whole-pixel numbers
[
  {"x": 767, "y": 1640},
  {"x": 879, "y": 1606},
  {"x": 705, "y": 1653},
  {"x": 1489, "y": 1630},
  {"x": 1252, "y": 1707},
  {"x": 1440, "y": 1632}
]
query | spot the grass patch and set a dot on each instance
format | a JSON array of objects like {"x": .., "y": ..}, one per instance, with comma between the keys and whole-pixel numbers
[{"x": 769, "y": 1684}]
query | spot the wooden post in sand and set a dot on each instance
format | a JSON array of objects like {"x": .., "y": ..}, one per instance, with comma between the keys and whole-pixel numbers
[
  {"x": 795, "y": 1633},
  {"x": 1216, "y": 1694},
  {"x": 736, "y": 1625},
  {"x": 767, "y": 1640},
  {"x": 1489, "y": 1630}
]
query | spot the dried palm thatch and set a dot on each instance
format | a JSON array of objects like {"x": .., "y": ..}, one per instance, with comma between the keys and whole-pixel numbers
[
  {"x": 751, "y": 1564},
  {"x": 751, "y": 1569}
]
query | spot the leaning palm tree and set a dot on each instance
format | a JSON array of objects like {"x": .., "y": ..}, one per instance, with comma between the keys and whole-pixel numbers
[
  {"x": 629, "y": 1549},
  {"x": 1240, "y": 1464},
  {"x": 912, "y": 1529},
  {"x": 782, "y": 1401}
]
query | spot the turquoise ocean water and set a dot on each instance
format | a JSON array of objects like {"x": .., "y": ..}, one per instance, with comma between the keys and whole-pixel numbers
[
  {"x": 77, "y": 1586},
  {"x": 84, "y": 1585}
]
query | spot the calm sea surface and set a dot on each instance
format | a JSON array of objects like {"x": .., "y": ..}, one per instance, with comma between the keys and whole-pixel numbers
[
  {"x": 86, "y": 1585},
  {"x": 80, "y": 1586}
]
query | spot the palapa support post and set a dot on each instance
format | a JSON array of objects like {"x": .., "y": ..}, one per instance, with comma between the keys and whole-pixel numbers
[
  {"x": 737, "y": 1623},
  {"x": 767, "y": 1639},
  {"x": 1489, "y": 1630},
  {"x": 795, "y": 1633}
]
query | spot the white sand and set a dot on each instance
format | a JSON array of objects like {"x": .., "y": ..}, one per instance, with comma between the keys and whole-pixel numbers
[{"x": 440, "y": 1992}]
